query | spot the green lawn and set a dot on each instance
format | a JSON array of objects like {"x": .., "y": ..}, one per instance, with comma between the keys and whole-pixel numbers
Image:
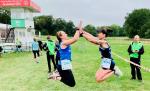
[{"x": 18, "y": 71}]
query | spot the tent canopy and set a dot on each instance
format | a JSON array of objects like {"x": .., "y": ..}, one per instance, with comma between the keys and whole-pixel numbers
[{"x": 20, "y": 3}]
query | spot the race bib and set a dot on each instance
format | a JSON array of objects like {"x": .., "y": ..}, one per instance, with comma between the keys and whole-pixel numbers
[
  {"x": 66, "y": 64},
  {"x": 106, "y": 62}
]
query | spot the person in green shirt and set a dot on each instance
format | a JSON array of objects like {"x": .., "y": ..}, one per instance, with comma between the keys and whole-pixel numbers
[
  {"x": 49, "y": 47},
  {"x": 135, "y": 50}
]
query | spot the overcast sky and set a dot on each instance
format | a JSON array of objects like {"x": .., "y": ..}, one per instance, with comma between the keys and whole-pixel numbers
[{"x": 96, "y": 12}]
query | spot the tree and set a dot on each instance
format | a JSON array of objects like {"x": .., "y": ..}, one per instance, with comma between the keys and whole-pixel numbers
[
  {"x": 62, "y": 25},
  {"x": 49, "y": 25},
  {"x": 145, "y": 30},
  {"x": 70, "y": 28},
  {"x": 91, "y": 29},
  {"x": 117, "y": 30},
  {"x": 44, "y": 24},
  {"x": 4, "y": 16},
  {"x": 147, "y": 34},
  {"x": 134, "y": 22},
  {"x": 59, "y": 25}
]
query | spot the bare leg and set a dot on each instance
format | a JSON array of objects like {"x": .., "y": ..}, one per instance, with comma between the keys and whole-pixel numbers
[
  {"x": 107, "y": 75},
  {"x": 102, "y": 75}
]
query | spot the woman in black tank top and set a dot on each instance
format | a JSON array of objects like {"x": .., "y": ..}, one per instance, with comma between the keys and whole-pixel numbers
[
  {"x": 107, "y": 69},
  {"x": 105, "y": 52}
]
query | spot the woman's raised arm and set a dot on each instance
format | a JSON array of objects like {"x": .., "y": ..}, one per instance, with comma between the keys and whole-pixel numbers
[
  {"x": 91, "y": 38},
  {"x": 76, "y": 36}
]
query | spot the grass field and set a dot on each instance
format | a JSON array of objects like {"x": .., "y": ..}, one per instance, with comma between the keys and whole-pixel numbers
[{"x": 18, "y": 71}]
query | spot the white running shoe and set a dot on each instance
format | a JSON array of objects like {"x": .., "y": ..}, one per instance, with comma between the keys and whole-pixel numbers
[{"x": 118, "y": 72}]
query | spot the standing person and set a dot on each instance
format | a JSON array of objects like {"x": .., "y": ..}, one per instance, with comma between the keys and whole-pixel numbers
[
  {"x": 57, "y": 48},
  {"x": 64, "y": 65},
  {"x": 49, "y": 47},
  {"x": 40, "y": 45},
  {"x": 35, "y": 50},
  {"x": 1, "y": 50},
  {"x": 135, "y": 51},
  {"x": 107, "y": 64},
  {"x": 18, "y": 45}
]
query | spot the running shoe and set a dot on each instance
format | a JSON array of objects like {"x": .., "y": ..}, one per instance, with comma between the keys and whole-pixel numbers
[{"x": 117, "y": 71}]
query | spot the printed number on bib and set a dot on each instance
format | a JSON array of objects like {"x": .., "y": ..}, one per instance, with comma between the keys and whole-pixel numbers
[
  {"x": 106, "y": 62},
  {"x": 66, "y": 65}
]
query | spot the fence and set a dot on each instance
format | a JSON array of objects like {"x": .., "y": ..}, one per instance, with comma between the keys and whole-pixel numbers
[{"x": 11, "y": 47}]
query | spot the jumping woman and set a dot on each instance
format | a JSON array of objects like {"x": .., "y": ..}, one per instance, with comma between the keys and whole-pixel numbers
[
  {"x": 107, "y": 64},
  {"x": 64, "y": 65}
]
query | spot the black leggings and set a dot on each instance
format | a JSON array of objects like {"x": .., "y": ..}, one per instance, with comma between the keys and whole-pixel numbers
[
  {"x": 66, "y": 77},
  {"x": 57, "y": 59},
  {"x": 135, "y": 70},
  {"x": 36, "y": 54},
  {"x": 49, "y": 58}
]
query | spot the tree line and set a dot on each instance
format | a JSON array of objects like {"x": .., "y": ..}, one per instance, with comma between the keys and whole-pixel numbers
[
  {"x": 49, "y": 25},
  {"x": 136, "y": 22}
]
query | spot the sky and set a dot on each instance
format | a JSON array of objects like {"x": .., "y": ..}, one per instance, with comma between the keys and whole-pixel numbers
[{"x": 95, "y": 12}]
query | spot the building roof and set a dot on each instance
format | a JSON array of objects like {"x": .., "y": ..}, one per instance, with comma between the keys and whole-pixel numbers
[{"x": 29, "y": 4}]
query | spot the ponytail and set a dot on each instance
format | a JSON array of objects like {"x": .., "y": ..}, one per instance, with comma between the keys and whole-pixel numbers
[{"x": 58, "y": 34}]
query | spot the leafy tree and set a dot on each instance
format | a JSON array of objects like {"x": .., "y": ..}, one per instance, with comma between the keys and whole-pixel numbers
[
  {"x": 117, "y": 30},
  {"x": 44, "y": 24},
  {"x": 49, "y": 25},
  {"x": 4, "y": 16},
  {"x": 91, "y": 29},
  {"x": 59, "y": 24},
  {"x": 70, "y": 28},
  {"x": 134, "y": 22},
  {"x": 145, "y": 30},
  {"x": 147, "y": 34}
]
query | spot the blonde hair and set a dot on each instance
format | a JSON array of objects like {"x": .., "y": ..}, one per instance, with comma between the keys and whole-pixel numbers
[
  {"x": 136, "y": 36},
  {"x": 58, "y": 35}
]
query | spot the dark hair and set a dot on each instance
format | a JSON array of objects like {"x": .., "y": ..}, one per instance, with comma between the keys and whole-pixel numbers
[
  {"x": 103, "y": 31},
  {"x": 34, "y": 39},
  {"x": 48, "y": 37}
]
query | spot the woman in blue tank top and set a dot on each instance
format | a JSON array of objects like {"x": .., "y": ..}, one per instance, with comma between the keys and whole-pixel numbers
[
  {"x": 65, "y": 53},
  {"x": 107, "y": 64},
  {"x": 64, "y": 65}
]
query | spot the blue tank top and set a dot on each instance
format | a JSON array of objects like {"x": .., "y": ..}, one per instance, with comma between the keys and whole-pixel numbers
[
  {"x": 105, "y": 52},
  {"x": 65, "y": 53}
]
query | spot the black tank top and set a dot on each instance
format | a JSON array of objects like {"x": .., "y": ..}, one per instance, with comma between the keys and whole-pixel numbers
[{"x": 105, "y": 52}]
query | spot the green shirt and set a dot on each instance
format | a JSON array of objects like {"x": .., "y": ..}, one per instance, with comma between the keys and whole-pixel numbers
[
  {"x": 135, "y": 46},
  {"x": 51, "y": 47}
]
